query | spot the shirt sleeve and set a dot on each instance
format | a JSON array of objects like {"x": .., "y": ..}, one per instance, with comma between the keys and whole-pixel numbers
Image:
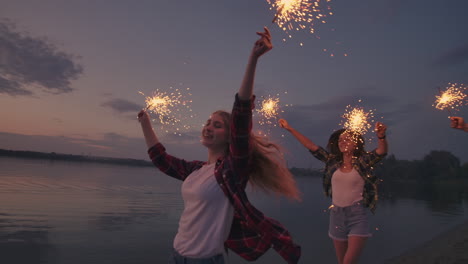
[
  {"x": 170, "y": 165},
  {"x": 320, "y": 154},
  {"x": 240, "y": 145},
  {"x": 371, "y": 158}
]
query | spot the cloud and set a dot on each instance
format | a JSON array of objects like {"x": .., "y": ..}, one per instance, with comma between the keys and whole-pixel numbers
[
  {"x": 28, "y": 62},
  {"x": 12, "y": 87},
  {"x": 189, "y": 137},
  {"x": 456, "y": 55},
  {"x": 122, "y": 105},
  {"x": 111, "y": 144}
]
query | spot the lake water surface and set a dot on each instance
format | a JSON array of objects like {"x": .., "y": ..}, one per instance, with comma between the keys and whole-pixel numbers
[{"x": 67, "y": 212}]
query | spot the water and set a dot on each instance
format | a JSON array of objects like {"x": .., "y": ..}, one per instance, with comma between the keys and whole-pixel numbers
[{"x": 65, "y": 212}]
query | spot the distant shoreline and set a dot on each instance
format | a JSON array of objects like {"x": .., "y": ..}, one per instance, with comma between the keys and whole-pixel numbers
[
  {"x": 73, "y": 158},
  {"x": 115, "y": 161}
]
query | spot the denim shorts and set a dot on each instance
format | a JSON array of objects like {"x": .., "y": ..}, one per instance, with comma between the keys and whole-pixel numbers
[
  {"x": 348, "y": 221},
  {"x": 176, "y": 258}
]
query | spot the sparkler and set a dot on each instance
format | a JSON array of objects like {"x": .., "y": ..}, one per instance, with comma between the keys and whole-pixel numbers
[
  {"x": 269, "y": 111},
  {"x": 356, "y": 119},
  {"x": 170, "y": 107},
  {"x": 298, "y": 14},
  {"x": 452, "y": 98}
]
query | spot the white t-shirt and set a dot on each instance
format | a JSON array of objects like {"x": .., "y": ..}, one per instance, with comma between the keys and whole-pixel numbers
[
  {"x": 347, "y": 187},
  {"x": 207, "y": 217}
]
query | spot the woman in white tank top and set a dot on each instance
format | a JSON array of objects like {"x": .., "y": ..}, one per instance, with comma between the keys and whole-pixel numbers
[{"x": 350, "y": 182}]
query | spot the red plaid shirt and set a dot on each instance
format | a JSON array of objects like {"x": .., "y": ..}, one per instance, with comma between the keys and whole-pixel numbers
[{"x": 252, "y": 233}]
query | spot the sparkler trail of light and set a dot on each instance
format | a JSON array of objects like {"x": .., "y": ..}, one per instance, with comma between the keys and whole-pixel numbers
[
  {"x": 452, "y": 98},
  {"x": 295, "y": 15},
  {"x": 170, "y": 107}
]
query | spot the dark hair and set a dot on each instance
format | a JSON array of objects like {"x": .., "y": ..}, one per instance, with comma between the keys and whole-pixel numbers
[{"x": 334, "y": 149}]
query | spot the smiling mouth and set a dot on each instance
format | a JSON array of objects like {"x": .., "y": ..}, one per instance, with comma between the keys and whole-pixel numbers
[{"x": 208, "y": 136}]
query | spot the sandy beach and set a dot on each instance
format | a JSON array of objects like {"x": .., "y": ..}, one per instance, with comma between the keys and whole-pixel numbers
[{"x": 450, "y": 247}]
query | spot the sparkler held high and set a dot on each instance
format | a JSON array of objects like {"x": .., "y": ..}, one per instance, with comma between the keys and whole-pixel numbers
[
  {"x": 170, "y": 107},
  {"x": 356, "y": 119},
  {"x": 298, "y": 14},
  {"x": 452, "y": 98}
]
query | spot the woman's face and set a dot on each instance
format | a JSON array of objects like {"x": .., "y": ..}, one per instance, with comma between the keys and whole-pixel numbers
[
  {"x": 346, "y": 142},
  {"x": 215, "y": 132}
]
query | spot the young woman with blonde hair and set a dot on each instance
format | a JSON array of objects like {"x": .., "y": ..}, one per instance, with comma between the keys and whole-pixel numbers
[{"x": 217, "y": 213}]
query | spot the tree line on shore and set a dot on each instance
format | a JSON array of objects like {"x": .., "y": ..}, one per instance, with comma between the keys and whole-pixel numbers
[
  {"x": 437, "y": 165},
  {"x": 75, "y": 158}
]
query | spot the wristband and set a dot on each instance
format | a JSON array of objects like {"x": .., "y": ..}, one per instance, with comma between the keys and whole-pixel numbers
[{"x": 382, "y": 137}]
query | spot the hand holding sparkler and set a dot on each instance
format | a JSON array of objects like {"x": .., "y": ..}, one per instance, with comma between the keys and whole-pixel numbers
[
  {"x": 380, "y": 129},
  {"x": 284, "y": 124},
  {"x": 458, "y": 123},
  {"x": 143, "y": 115},
  {"x": 145, "y": 122},
  {"x": 263, "y": 45}
]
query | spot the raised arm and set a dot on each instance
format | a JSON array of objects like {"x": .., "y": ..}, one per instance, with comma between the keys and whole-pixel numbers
[
  {"x": 380, "y": 130},
  {"x": 300, "y": 137},
  {"x": 148, "y": 132},
  {"x": 262, "y": 46},
  {"x": 458, "y": 123}
]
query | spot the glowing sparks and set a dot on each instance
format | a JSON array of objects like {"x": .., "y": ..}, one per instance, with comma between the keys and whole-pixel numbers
[
  {"x": 296, "y": 15},
  {"x": 170, "y": 107},
  {"x": 269, "y": 111},
  {"x": 452, "y": 98},
  {"x": 356, "y": 119}
]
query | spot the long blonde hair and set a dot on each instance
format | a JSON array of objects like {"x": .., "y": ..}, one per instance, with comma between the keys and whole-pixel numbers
[{"x": 269, "y": 170}]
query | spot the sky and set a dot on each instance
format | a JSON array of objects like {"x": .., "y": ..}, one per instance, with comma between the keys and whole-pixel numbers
[{"x": 71, "y": 72}]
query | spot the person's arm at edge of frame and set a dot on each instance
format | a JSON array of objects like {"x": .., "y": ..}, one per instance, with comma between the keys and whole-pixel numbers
[{"x": 458, "y": 123}]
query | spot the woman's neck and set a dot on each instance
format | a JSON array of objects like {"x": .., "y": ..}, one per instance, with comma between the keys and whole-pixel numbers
[
  {"x": 214, "y": 155},
  {"x": 347, "y": 157}
]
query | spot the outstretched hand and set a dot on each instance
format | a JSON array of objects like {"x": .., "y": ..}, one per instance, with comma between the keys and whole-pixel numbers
[
  {"x": 263, "y": 45},
  {"x": 380, "y": 129},
  {"x": 143, "y": 116},
  {"x": 457, "y": 122},
  {"x": 284, "y": 124}
]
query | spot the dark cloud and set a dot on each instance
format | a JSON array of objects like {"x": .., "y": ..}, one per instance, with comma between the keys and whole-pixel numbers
[
  {"x": 456, "y": 55},
  {"x": 12, "y": 87},
  {"x": 122, "y": 105},
  {"x": 28, "y": 62}
]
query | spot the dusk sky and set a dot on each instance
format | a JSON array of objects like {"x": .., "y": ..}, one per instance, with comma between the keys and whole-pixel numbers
[{"x": 70, "y": 71}]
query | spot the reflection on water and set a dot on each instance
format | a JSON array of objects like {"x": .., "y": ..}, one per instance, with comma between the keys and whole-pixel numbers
[{"x": 59, "y": 212}]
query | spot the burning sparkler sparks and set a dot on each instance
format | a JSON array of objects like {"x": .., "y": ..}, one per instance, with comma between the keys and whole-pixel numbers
[
  {"x": 269, "y": 110},
  {"x": 171, "y": 107},
  {"x": 299, "y": 14},
  {"x": 356, "y": 119},
  {"x": 452, "y": 98}
]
